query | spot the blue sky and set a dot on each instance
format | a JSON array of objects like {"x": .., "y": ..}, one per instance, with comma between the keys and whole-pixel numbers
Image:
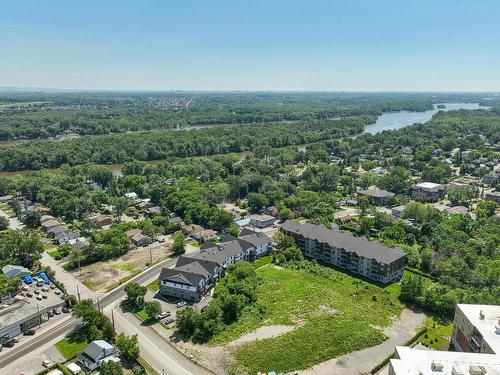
[{"x": 370, "y": 45}]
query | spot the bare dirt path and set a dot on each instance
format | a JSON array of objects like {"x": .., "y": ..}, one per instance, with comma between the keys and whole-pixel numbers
[{"x": 363, "y": 361}]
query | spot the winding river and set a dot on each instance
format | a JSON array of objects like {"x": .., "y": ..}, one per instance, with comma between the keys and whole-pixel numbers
[{"x": 386, "y": 121}]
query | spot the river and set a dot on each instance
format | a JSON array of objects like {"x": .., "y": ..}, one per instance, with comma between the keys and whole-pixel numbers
[
  {"x": 397, "y": 120},
  {"x": 386, "y": 121}
]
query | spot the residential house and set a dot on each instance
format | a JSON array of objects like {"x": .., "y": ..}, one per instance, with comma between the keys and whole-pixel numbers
[
  {"x": 132, "y": 195},
  {"x": 65, "y": 237},
  {"x": 262, "y": 221},
  {"x": 56, "y": 230},
  {"x": 6, "y": 198},
  {"x": 398, "y": 211},
  {"x": 11, "y": 271},
  {"x": 492, "y": 179},
  {"x": 95, "y": 353},
  {"x": 47, "y": 224},
  {"x": 427, "y": 192},
  {"x": 259, "y": 240},
  {"x": 186, "y": 285},
  {"x": 192, "y": 230},
  {"x": 378, "y": 196},
  {"x": 493, "y": 196},
  {"x": 340, "y": 248},
  {"x": 101, "y": 220}
]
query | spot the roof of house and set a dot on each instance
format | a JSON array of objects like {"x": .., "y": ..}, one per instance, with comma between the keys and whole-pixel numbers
[
  {"x": 12, "y": 270},
  {"x": 346, "y": 240},
  {"x": 133, "y": 232},
  {"x": 255, "y": 238},
  {"x": 219, "y": 253},
  {"x": 376, "y": 193},
  {"x": 57, "y": 229},
  {"x": 95, "y": 348},
  {"x": 429, "y": 186},
  {"x": 259, "y": 217},
  {"x": 194, "y": 267},
  {"x": 180, "y": 276},
  {"x": 206, "y": 264}
]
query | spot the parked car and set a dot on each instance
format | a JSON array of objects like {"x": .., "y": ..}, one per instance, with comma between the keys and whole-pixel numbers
[
  {"x": 57, "y": 310},
  {"x": 29, "y": 294},
  {"x": 65, "y": 309},
  {"x": 16, "y": 339},
  {"x": 29, "y": 332},
  {"x": 52, "y": 286},
  {"x": 164, "y": 314},
  {"x": 45, "y": 288},
  {"x": 57, "y": 291},
  {"x": 45, "y": 295},
  {"x": 47, "y": 363},
  {"x": 39, "y": 297},
  {"x": 168, "y": 321},
  {"x": 37, "y": 290},
  {"x": 25, "y": 287},
  {"x": 181, "y": 303},
  {"x": 9, "y": 343},
  {"x": 50, "y": 313}
]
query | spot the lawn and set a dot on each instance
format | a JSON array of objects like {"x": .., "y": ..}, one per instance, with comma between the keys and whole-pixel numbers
[
  {"x": 70, "y": 346},
  {"x": 334, "y": 314},
  {"x": 262, "y": 261},
  {"x": 154, "y": 286},
  {"x": 438, "y": 333}
]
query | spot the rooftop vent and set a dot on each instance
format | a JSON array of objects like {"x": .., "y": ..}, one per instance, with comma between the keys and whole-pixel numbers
[
  {"x": 437, "y": 366},
  {"x": 497, "y": 328},
  {"x": 477, "y": 370},
  {"x": 481, "y": 315}
]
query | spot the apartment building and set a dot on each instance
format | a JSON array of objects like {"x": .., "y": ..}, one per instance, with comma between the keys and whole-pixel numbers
[
  {"x": 197, "y": 273},
  {"x": 408, "y": 361},
  {"x": 341, "y": 249},
  {"x": 427, "y": 192},
  {"x": 476, "y": 329}
]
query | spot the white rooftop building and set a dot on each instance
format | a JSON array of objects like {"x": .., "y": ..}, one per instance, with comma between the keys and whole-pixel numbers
[
  {"x": 409, "y": 361},
  {"x": 476, "y": 328}
]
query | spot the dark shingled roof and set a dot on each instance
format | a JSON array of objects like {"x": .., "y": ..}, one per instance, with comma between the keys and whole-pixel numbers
[
  {"x": 206, "y": 264},
  {"x": 256, "y": 238},
  {"x": 180, "y": 276},
  {"x": 345, "y": 240},
  {"x": 377, "y": 193}
]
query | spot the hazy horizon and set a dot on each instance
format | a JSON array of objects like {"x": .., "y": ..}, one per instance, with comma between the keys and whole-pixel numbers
[{"x": 221, "y": 45}]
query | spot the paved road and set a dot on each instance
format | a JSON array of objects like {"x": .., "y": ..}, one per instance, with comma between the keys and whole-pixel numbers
[
  {"x": 164, "y": 357},
  {"x": 160, "y": 355},
  {"x": 22, "y": 350}
]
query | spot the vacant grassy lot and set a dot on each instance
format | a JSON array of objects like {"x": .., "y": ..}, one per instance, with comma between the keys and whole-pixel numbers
[
  {"x": 70, "y": 346},
  {"x": 333, "y": 313}
]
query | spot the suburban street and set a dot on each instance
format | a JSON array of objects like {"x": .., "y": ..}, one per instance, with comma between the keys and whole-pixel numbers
[{"x": 160, "y": 355}]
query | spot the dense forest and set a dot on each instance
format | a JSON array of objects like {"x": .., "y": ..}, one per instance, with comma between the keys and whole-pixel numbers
[
  {"x": 157, "y": 145},
  {"x": 39, "y": 115}
]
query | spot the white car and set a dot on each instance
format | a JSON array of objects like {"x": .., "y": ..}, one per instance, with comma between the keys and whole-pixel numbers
[
  {"x": 164, "y": 314},
  {"x": 181, "y": 303},
  {"x": 47, "y": 363}
]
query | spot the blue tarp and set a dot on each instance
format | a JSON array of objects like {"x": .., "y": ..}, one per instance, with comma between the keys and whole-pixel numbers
[
  {"x": 28, "y": 279},
  {"x": 44, "y": 277}
]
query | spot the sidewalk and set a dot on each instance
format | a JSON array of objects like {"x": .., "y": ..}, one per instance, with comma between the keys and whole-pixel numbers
[{"x": 72, "y": 284}]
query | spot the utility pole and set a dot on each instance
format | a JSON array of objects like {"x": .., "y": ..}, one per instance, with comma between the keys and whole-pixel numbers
[
  {"x": 113, "y": 316},
  {"x": 78, "y": 292},
  {"x": 38, "y": 313},
  {"x": 150, "y": 256}
]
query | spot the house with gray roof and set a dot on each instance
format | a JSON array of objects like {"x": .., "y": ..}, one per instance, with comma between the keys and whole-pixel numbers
[
  {"x": 370, "y": 259},
  {"x": 95, "y": 353},
  {"x": 378, "y": 196},
  {"x": 14, "y": 271},
  {"x": 184, "y": 284}
]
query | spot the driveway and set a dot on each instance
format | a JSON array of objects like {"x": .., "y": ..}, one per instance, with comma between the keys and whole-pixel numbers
[
  {"x": 14, "y": 223},
  {"x": 363, "y": 361}
]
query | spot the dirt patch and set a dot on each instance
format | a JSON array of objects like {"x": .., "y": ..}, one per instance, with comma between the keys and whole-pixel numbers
[
  {"x": 103, "y": 276},
  {"x": 261, "y": 333}
]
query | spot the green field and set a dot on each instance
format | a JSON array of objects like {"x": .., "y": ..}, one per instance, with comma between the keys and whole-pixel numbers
[
  {"x": 333, "y": 313},
  {"x": 70, "y": 346},
  {"x": 438, "y": 333}
]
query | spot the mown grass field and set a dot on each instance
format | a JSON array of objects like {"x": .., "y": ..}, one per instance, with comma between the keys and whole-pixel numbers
[
  {"x": 333, "y": 313},
  {"x": 70, "y": 346}
]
